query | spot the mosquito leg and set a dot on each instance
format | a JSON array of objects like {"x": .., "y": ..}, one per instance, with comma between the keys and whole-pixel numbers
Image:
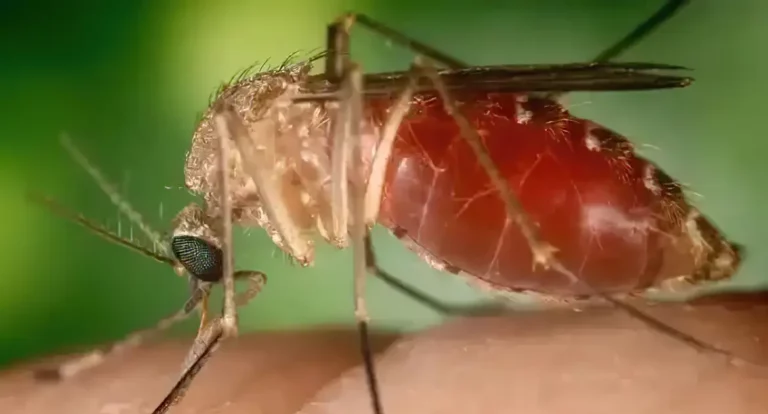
[
  {"x": 373, "y": 201},
  {"x": 422, "y": 297},
  {"x": 384, "y": 149},
  {"x": 75, "y": 366},
  {"x": 229, "y": 320},
  {"x": 543, "y": 253},
  {"x": 340, "y": 143},
  {"x": 114, "y": 195},
  {"x": 205, "y": 344},
  {"x": 348, "y": 141},
  {"x": 640, "y": 32},
  {"x": 256, "y": 281},
  {"x": 359, "y": 229},
  {"x": 208, "y": 339},
  {"x": 203, "y": 314},
  {"x": 338, "y": 45}
]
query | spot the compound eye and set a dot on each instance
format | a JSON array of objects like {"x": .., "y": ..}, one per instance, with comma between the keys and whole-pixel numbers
[{"x": 201, "y": 259}]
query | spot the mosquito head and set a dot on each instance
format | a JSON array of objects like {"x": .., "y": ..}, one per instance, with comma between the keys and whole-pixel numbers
[
  {"x": 196, "y": 246},
  {"x": 200, "y": 258}
]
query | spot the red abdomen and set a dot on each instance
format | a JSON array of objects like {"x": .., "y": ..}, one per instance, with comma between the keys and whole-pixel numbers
[{"x": 618, "y": 221}]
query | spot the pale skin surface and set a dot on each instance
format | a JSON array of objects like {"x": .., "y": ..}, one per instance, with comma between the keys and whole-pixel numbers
[{"x": 594, "y": 361}]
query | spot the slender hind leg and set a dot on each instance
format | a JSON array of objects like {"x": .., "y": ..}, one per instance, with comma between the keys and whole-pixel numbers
[
  {"x": 348, "y": 157},
  {"x": 373, "y": 193},
  {"x": 229, "y": 319},
  {"x": 641, "y": 31},
  {"x": 359, "y": 229}
]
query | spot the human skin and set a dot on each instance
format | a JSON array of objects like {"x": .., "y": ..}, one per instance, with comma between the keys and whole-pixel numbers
[{"x": 597, "y": 360}]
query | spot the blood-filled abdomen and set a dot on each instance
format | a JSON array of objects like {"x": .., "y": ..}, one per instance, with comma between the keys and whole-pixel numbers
[{"x": 617, "y": 220}]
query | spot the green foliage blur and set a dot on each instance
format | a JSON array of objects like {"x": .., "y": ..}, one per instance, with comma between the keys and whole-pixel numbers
[{"x": 127, "y": 81}]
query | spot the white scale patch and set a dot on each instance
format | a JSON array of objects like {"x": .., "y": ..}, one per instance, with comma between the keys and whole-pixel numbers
[
  {"x": 522, "y": 115},
  {"x": 649, "y": 179},
  {"x": 591, "y": 142}
]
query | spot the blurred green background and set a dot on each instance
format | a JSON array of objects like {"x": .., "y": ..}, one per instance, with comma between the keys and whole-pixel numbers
[{"x": 127, "y": 81}]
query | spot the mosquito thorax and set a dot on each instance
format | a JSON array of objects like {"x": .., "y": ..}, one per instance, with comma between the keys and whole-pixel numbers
[{"x": 289, "y": 146}]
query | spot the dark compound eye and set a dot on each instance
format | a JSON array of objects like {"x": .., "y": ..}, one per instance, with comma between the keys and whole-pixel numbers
[{"x": 201, "y": 259}]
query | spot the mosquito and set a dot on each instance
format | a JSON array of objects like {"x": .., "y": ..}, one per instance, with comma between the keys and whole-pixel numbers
[{"x": 479, "y": 170}]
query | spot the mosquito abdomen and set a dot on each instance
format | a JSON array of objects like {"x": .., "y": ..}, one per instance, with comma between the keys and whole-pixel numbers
[{"x": 618, "y": 221}]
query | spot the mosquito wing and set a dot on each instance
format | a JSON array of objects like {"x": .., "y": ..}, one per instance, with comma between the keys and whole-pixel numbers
[{"x": 530, "y": 78}]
